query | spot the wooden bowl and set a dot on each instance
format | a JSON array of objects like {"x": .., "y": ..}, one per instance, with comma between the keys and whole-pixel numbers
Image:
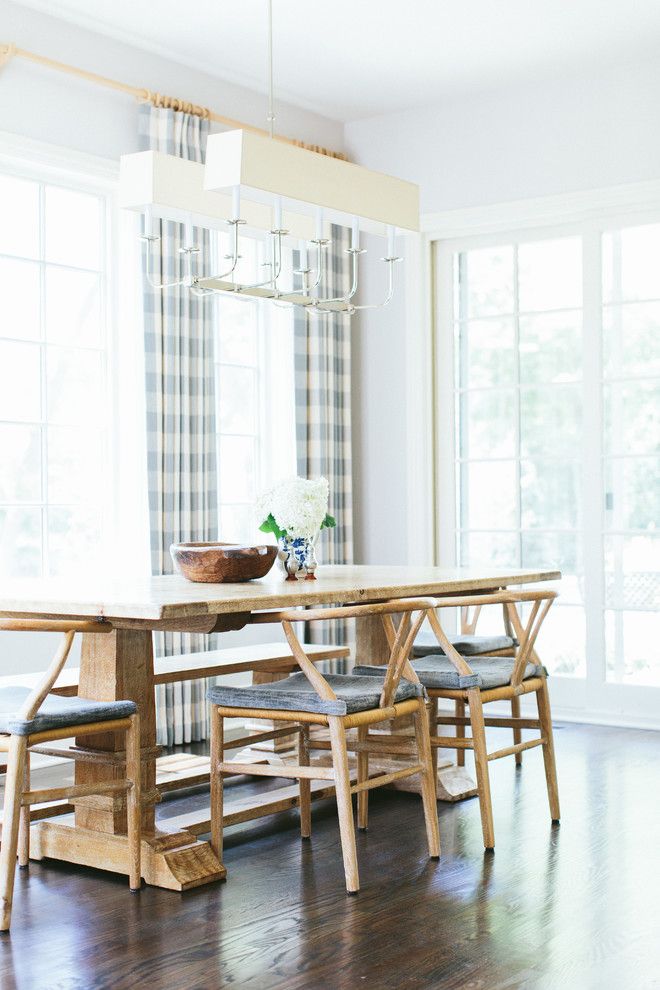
[{"x": 222, "y": 562}]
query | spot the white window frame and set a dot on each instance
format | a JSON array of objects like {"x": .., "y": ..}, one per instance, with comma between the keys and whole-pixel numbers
[{"x": 432, "y": 501}]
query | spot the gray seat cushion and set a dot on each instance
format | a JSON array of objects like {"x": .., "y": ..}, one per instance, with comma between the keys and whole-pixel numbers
[
  {"x": 466, "y": 645},
  {"x": 439, "y": 673},
  {"x": 295, "y": 693},
  {"x": 56, "y": 712}
]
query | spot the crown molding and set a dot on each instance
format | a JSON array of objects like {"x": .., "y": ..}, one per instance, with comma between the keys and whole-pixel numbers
[{"x": 542, "y": 211}]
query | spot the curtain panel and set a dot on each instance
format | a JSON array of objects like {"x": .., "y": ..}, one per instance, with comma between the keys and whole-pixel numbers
[
  {"x": 181, "y": 428},
  {"x": 322, "y": 349}
]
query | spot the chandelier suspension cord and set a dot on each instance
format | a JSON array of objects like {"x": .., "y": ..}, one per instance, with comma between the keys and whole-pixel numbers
[{"x": 271, "y": 110}]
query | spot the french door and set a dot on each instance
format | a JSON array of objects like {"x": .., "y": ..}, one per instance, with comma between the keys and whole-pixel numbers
[{"x": 548, "y": 425}]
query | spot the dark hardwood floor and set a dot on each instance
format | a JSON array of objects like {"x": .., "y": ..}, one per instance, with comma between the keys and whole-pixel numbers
[{"x": 572, "y": 908}]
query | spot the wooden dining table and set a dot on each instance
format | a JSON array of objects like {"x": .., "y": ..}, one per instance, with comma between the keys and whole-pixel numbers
[{"x": 120, "y": 665}]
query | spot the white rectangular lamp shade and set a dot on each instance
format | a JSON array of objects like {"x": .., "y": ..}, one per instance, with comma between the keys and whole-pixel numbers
[
  {"x": 264, "y": 167},
  {"x": 174, "y": 189}
]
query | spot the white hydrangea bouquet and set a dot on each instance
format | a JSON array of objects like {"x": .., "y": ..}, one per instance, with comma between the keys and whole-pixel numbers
[{"x": 295, "y": 511}]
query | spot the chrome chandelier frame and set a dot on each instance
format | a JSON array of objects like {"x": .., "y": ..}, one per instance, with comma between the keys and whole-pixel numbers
[{"x": 311, "y": 277}]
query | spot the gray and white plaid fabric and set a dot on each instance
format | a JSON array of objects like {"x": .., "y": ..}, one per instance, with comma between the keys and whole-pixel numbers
[
  {"x": 181, "y": 432},
  {"x": 322, "y": 347}
]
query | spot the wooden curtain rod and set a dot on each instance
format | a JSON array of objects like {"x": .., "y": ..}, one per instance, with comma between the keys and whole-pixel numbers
[{"x": 9, "y": 51}]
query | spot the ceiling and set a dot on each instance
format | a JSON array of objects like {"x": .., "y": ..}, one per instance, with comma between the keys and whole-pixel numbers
[{"x": 356, "y": 58}]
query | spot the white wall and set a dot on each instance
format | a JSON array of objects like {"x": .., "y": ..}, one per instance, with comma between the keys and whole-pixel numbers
[
  {"x": 49, "y": 106},
  {"x": 574, "y": 134}
]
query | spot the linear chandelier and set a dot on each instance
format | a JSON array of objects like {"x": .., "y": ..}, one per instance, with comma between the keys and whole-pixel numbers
[{"x": 251, "y": 182}]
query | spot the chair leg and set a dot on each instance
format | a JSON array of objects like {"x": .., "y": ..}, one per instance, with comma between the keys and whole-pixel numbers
[
  {"x": 427, "y": 779},
  {"x": 10, "y": 822},
  {"x": 217, "y": 780},
  {"x": 460, "y": 732},
  {"x": 24, "y": 820},
  {"x": 433, "y": 729},
  {"x": 134, "y": 802},
  {"x": 517, "y": 733},
  {"x": 362, "y": 775},
  {"x": 481, "y": 765},
  {"x": 344, "y": 803},
  {"x": 305, "y": 784},
  {"x": 545, "y": 718}
]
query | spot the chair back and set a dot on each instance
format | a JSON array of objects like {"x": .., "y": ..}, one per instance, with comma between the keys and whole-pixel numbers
[
  {"x": 400, "y": 640},
  {"x": 69, "y": 628},
  {"x": 541, "y": 599}
]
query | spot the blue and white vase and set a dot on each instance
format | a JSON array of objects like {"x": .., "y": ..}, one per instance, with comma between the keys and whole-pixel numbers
[{"x": 297, "y": 557}]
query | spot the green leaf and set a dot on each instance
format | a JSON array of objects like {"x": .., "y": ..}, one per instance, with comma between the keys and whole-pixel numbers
[
  {"x": 269, "y": 525},
  {"x": 328, "y": 522}
]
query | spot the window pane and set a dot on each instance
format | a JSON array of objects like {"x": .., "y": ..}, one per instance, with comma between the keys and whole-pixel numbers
[
  {"x": 489, "y": 548},
  {"x": 73, "y": 540},
  {"x": 633, "y": 647},
  {"x": 75, "y": 465},
  {"x": 550, "y": 420},
  {"x": 20, "y": 463},
  {"x": 236, "y": 469},
  {"x": 75, "y": 385},
  {"x": 632, "y": 572},
  {"x": 632, "y": 486},
  {"x": 632, "y": 418},
  {"x": 561, "y": 641},
  {"x": 237, "y": 331},
  {"x": 19, "y": 299},
  {"x": 20, "y": 542},
  {"x": 550, "y": 274},
  {"x": 550, "y": 494},
  {"x": 556, "y": 551},
  {"x": 486, "y": 282},
  {"x": 20, "y": 381},
  {"x": 236, "y": 399},
  {"x": 551, "y": 348},
  {"x": 19, "y": 209},
  {"x": 490, "y": 418},
  {"x": 73, "y": 228},
  {"x": 238, "y": 525},
  {"x": 631, "y": 340},
  {"x": 486, "y": 353},
  {"x": 73, "y": 307},
  {"x": 631, "y": 269},
  {"x": 491, "y": 495}
]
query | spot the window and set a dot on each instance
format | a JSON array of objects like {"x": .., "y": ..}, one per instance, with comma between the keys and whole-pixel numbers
[
  {"x": 555, "y": 350},
  {"x": 519, "y": 397},
  {"x": 53, "y": 377},
  {"x": 631, "y": 451},
  {"x": 255, "y": 397}
]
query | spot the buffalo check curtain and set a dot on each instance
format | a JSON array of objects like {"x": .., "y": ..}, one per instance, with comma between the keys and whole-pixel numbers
[
  {"x": 181, "y": 431},
  {"x": 322, "y": 349}
]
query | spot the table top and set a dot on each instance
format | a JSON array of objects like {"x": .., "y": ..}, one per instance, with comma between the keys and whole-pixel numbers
[{"x": 171, "y": 596}]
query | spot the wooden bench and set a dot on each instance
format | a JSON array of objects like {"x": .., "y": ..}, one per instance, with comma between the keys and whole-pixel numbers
[
  {"x": 266, "y": 658},
  {"x": 266, "y": 661}
]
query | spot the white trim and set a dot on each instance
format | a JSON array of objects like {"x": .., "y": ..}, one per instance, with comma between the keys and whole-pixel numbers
[
  {"x": 56, "y": 161},
  {"x": 544, "y": 211},
  {"x": 419, "y": 389}
]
